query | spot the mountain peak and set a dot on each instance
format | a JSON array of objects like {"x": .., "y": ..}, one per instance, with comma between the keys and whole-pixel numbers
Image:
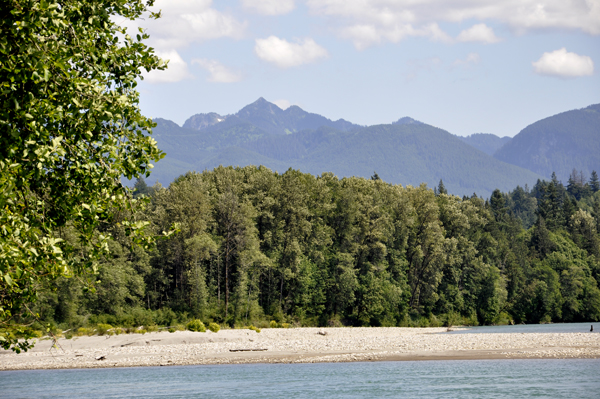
[
  {"x": 407, "y": 121},
  {"x": 261, "y": 100},
  {"x": 261, "y": 103},
  {"x": 259, "y": 106},
  {"x": 202, "y": 121}
]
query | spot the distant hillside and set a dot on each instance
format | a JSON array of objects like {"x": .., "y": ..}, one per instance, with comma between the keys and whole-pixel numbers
[
  {"x": 558, "y": 144},
  {"x": 405, "y": 154},
  {"x": 486, "y": 142}
]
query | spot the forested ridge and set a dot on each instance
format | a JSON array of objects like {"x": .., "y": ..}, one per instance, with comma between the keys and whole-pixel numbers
[
  {"x": 557, "y": 144},
  {"x": 255, "y": 246}
]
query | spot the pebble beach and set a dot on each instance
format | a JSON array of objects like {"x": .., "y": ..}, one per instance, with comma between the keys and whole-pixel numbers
[{"x": 296, "y": 345}]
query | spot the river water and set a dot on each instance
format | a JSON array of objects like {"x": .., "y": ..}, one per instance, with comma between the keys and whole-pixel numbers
[
  {"x": 572, "y": 378},
  {"x": 532, "y": 328}
]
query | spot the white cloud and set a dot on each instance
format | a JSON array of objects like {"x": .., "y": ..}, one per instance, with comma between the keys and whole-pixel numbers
[
  {"x": 219, "y": 73},
  {"x": 434, "y": 33},
  {"x": 478, "y": 33},
  {"x": 177, "y": 69},
  {"x": 365, "y": 35},
  {"x": 472, "y": 58},
  {"x": 283, "y": 104},
  {"x": 563, "y": 64},
  {"x": 368, "y": 22},
  {"x": 285, "y": 54},
  {"x": 187, "y": 21},
  {"x": 269, "y": 7}
]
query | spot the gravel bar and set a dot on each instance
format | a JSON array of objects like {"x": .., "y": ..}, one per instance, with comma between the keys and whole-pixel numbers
[{"x": 296, "y": 345}]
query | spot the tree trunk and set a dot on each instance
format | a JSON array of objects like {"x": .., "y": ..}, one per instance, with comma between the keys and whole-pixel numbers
[
  {"x": 227, "y": 277},
  {"x": 281, "y": 292}
]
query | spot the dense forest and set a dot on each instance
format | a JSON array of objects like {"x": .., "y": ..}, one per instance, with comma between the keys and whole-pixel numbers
[{"x": 254, "y": 246}]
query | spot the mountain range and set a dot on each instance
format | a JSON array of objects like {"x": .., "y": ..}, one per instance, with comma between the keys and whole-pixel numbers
[
  {"x": 404, "y": 152},
  {"x": 268, "y": 118}
]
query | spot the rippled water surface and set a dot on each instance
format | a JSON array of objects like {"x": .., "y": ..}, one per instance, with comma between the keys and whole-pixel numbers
[
  {"x": 575, "y": 378},
  {"x": 534, "y": 328}
]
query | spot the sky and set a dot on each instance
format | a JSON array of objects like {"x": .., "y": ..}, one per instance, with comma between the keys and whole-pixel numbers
[{"x": 466, "y": 66}]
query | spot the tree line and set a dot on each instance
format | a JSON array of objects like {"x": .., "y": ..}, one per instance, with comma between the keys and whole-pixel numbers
[{"x": 254, "y": 245}]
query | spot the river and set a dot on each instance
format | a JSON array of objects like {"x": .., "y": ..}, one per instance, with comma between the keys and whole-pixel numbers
[{"x": 568, "y": 378}]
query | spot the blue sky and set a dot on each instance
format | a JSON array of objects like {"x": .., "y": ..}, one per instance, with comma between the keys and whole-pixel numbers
[{"x": 466, "y": 66}]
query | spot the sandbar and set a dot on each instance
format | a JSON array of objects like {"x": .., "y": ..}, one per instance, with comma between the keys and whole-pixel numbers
[{"x": 296, "y": 345}]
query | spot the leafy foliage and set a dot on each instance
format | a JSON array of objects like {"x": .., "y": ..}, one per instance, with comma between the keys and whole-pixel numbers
[{"x": 70, "y": 128}]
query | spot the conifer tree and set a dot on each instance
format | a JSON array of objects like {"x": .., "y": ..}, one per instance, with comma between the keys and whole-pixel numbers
[
  {"x": 140, "y": 187},
  {"x": 541, "y": 238},
  {"x": 596, "y": 213},
  {"x": 498, "y": 206},
  {"x": 594, "y": 182},
  {"x": 569, "y": 208},
  {"x": 574, "y": 187},
  {"x": 550, "y": 206},
  {"x": 441, "y": 189}
]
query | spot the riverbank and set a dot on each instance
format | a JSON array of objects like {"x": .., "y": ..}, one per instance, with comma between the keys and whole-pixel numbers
[{"x": 296, "y": 345}]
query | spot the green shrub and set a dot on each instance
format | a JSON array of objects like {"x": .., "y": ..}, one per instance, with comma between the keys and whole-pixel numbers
[
  {"x": 84, "y": 331},
  {"x": 335, "y": 321},
  {"x": 103, "y": 319},
  {"x": 103, "y": 328},
  {"x": 423, "y": 322},
  {"x": 254, "y": 329},
  {"x": 503, "y": 319},
  {"x": 152, "y": 328},
  {"x": 452, "y": 319},
  {"x": 434, "y": 321},
  {"x": 273, "y": 324},
  {"x": 471, "y": 320},
  {"x": 171, "y": 330},
  {"x": 142, "y": 317},
  {"x": 196, "y": 326},
  {"x": 165, "y": 317},
  {"x": 286, "y": 325},
  {"x": 214, "y": 327}
]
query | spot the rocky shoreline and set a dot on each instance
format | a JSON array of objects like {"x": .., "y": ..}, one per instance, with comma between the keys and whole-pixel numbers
[{"x": 296, "y": 345}]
